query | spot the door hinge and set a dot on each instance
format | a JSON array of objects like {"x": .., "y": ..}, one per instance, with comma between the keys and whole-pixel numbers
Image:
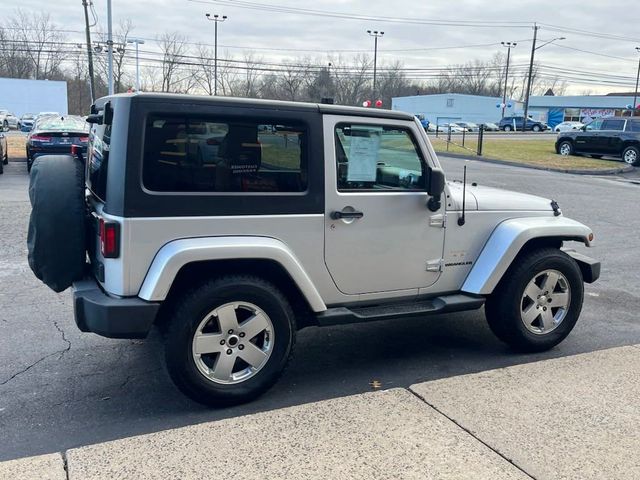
[
  {"x": 435, "y": 265},
  {"x": 438, "y": 220}
]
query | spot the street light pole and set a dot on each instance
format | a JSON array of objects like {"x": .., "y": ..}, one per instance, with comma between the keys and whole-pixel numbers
[
  {"x": 109, "y": 49},
  {"x": 216, "y": 19},
  {"x": 375, "y": 34},
  {"x": 509, "y": 46},
  {"x": 635, "y": 92},
  {"x": 528, "y": 91},
  {"x": 137, "y": 41}
]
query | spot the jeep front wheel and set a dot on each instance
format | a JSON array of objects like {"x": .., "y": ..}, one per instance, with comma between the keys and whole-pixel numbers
[
  {"x": 538, "y": 301},
  {"x": 229, "y": 340}
]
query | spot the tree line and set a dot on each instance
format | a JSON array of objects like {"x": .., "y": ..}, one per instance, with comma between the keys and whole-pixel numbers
[{"x": 32, "y": 46}]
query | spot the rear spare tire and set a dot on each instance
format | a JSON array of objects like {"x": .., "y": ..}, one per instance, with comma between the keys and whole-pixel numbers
[{"x": 56, "y": 238}]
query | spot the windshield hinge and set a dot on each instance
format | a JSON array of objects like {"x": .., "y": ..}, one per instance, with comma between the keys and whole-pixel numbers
[
  {"x": 435, "y": 265},
  {"x": 438, "y": 220}
]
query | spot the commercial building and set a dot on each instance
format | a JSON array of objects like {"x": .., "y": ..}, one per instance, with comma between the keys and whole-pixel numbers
[
  {"x": 452, "y": 107},
  {"x": 446, "y": 108},
  {"x": 578, "y": 108},
  {"x": 21, "y": 96}
]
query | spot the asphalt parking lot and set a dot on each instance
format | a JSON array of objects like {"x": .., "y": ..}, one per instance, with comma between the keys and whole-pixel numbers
[{"x": 60, "y": 388}]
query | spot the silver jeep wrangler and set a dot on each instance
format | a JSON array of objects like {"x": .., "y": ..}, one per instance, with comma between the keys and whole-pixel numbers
[{"x": 232, "y": 223}]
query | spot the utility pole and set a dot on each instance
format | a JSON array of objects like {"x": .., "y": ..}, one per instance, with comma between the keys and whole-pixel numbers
[
  {"x": 528, "y": 91},
  {"x": 92, "y": 86},
  {"x": 216, "y": 19},
  {"x": 533, "y": 52},
  {"x": 109, "y": 48},
  {"x": 509, "y": 46},
  {"x": 635, "y": 92},
  {"x": 138, "y": 42},
  {"x": 375, "y": 34}
]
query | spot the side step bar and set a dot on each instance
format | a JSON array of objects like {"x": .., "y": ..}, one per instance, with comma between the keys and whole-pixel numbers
[{"x": 444, "y": 304}]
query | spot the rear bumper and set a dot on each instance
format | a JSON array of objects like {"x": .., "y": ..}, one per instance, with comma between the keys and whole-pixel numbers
[{"x": 111, "y": 317}]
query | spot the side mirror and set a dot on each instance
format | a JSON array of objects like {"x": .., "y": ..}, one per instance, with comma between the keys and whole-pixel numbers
[
  {"x": 436, "y": 182},
  {"x": 435, "y": 188}
]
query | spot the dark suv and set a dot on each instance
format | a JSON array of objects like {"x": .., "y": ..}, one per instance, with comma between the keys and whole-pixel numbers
[
  {"x": 515, "y": 123},
  {"x": 610, "y": 136}
]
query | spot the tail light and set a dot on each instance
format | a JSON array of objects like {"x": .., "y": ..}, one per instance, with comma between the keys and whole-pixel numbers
[
  {"x": 109, "y": 239},
  {"x": 84, "y": 139},
  {"x": 40, "y": 138}
]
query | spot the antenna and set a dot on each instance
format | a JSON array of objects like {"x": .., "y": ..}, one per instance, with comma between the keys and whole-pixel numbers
[{"x": 461, "y": 219}]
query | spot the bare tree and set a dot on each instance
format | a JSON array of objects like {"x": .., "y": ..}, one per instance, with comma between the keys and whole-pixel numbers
[
  {"x": 352, "y": 81},
  {"x": 41, "y": 42},
  {"x": 173, "y": 47},
  {"x": 205, "y": 72},
  {"x": 14, "y": 61},
  {"x": 121, "y": 77}
]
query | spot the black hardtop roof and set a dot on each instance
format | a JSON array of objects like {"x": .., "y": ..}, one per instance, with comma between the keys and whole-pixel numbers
[{"x": 254, "y": 102}]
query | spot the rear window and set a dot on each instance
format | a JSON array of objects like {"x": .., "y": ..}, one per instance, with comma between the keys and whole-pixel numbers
[
  {"x": 633, "y": 125},
  {"x": 217, "y": 154},
  {"x": 61, "y": 124},
  {"x": 98, "y": 160}
]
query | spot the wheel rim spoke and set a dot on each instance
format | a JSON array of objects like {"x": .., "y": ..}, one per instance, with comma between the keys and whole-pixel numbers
[
  {"x": 208, "y": 343},
  {"x": 252, "y": 355},
  {"x": 547, "y": 320},
  {"x": 560, "y": 299},
  {"x": 549, "y": 283},
  {"x": 224, "y": 367},
  {"x": 227, "y": 318},
  {"x": 254, "y": 325},
  {"x": 532, "y": 291},
  {"x": 530, "y": 314}
]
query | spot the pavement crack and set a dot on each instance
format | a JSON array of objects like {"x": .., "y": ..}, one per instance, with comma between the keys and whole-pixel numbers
[
  {"x": 42, "y": 359},
  {"x": 65, "y": 463},
  {"x": 469, "y": 432}
]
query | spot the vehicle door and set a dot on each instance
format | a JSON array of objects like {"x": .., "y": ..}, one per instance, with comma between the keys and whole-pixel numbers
[
  {"x": 610, "y": 138},
  {"x": 587, "y": 140},
  {"x": 378, "y": 236}
]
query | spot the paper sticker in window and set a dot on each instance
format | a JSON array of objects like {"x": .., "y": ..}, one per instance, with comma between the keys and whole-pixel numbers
[{"x": 363, "y": 155}]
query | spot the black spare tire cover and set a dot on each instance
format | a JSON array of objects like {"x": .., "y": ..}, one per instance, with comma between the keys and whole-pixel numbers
[{"x": 56, "y": 238}]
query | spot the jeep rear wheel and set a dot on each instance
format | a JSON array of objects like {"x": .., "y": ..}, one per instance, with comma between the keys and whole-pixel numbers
[
  {"x": 229, "y": 340},
  {"x": 538, "y": 301}
]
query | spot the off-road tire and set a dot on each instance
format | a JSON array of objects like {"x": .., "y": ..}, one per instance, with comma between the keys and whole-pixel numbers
[
  {"x": 503, "y": 306},
  {"x": 193, "y": 306},
  {"x": 56, "y": 238}
]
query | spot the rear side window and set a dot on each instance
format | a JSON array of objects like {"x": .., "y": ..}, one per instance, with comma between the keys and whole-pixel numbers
[
  {"x": 98, "y": 160},
  {"x": 217, "y": 154},
  {"x": 633, "y": 125},
  {"x": 612, "y": 125}
]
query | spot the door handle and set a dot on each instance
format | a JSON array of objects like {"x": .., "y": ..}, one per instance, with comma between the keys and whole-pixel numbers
[{"x": 337, "y": 215}]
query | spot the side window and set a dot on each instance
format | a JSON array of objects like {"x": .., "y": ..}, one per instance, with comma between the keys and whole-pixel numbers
[
  {"x": 203, "y": 154},
  {"x": 595, "y": 125},
  {"x": 378, "y": 158},
  {"x": 633, "y": 125},
  {"x": 612, "y": 124}
]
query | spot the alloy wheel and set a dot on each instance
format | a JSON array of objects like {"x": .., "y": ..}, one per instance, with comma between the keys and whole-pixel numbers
[
  {"x": 631, "y": 156},
  {"x": 545, "y": 302},
  {"x": 233, "y": 343}
]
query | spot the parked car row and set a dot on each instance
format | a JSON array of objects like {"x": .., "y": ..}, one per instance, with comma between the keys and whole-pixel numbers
[
  {"x": 24, "y": 123},
  {"x": 459, "y": 127}
]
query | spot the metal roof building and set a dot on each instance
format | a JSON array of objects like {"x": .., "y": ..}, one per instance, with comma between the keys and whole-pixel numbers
[{"x": 452, "y": 107}]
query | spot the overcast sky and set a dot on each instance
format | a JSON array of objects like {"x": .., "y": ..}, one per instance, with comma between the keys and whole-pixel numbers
[{"x": 258, "y": 30}]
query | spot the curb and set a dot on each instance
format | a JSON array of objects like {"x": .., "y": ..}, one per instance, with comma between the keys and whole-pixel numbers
[{"x": 608, "y": 171}]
